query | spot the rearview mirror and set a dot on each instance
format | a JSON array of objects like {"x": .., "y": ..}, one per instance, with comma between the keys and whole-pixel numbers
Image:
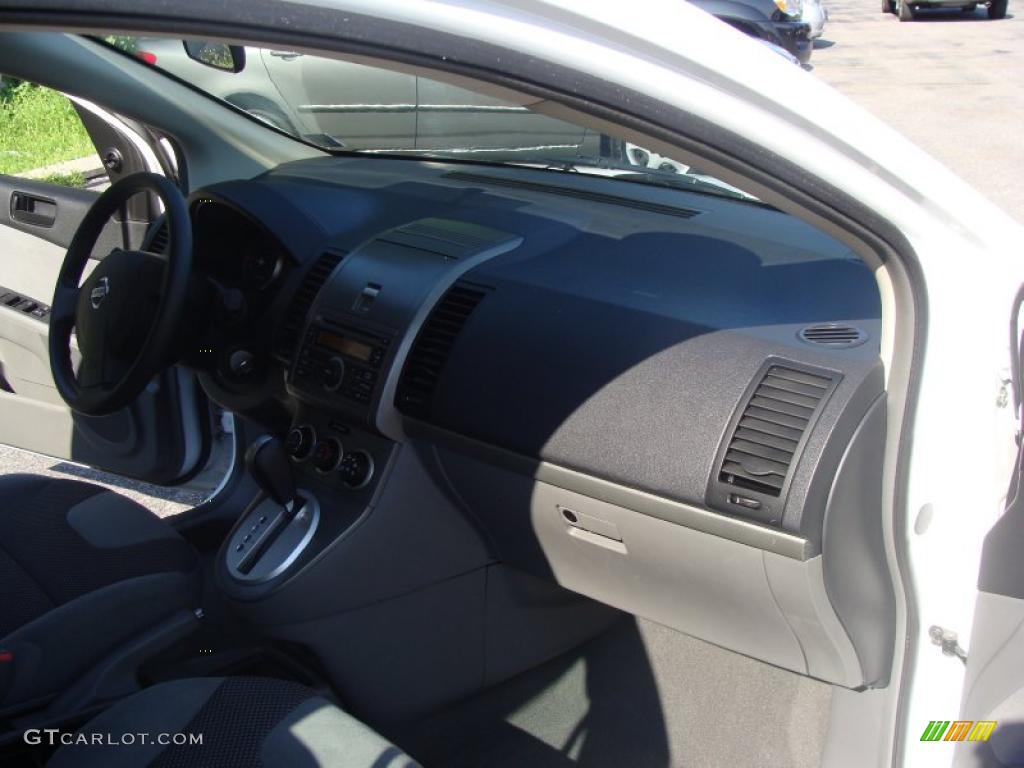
[{"x": 227, "y": 58}]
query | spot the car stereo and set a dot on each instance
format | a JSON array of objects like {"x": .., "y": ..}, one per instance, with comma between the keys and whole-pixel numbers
[{"x": 340, "y": 360}]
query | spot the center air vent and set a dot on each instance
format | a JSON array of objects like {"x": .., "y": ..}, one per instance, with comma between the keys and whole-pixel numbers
[
  {"x": 295, "y": 315},
  {"x": 158, "y": 243},
  {"x": 766, "y": 438},
  {"x": 432, "y": 347},
  {"x": 833, "y": 335}
]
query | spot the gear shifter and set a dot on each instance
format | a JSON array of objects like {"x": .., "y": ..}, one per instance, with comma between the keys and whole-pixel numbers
[
  {"x": 269, "y": 466},
  {"x": 278, "y": 524}
]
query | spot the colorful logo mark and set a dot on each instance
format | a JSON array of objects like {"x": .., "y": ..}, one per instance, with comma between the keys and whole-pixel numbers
[{"x": 959, "y": 730}]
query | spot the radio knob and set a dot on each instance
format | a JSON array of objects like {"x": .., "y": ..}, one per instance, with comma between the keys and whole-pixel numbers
[
  {"x": 327, "y": 454},
  {"x": 334, "y": 374},
  {"x": 299, "y": 442}
]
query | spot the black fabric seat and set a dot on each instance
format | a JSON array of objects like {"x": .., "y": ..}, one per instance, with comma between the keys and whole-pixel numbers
[
  {"x": 82, "y": 571},
  {"x": 241, "y": 722}
]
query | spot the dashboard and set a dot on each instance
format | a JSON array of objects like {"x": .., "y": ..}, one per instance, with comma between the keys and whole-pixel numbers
[{"x": 584, "y": 356}]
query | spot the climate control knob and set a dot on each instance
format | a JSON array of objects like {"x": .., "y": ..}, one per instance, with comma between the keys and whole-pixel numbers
[
  {"x": 299, "y": 442},
  {"x": 327, "y": 454},
  {"x": 356, "y": 469},
  {"x": 334, "y": 374}
]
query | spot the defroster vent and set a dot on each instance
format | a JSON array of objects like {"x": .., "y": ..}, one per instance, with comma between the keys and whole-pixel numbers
[
  {"x": 432, "y": 347},
  {"x": 833, "y": 335},
  {"x": 765, "y": 440},
  {"x": 295, "y": 315}
]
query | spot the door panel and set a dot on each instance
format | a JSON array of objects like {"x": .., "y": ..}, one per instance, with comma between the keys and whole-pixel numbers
[
  {"x": 163, "y": 435},
  {"x": 65, "y": 208}
]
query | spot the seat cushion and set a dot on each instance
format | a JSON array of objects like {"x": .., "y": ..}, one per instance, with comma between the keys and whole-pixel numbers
[
  {"x": 240, "y": 722},
  {"x": 82, "y": 570}
]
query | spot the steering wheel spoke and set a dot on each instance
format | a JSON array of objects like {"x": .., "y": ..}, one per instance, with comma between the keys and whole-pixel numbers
[
  {"x": 65, "y": 300},
  {"x": 90, "y": 373}
]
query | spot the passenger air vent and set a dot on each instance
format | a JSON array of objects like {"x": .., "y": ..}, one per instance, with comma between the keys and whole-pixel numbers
[
  {"x": 158, "y": 244},
  {"x": 581, "y": 194},
  {"x": 833, "y": 335},
  {"x": 295, "y": 315},
  {"x": 766, "y": 438},
  {"x": 432, "y": 347}
]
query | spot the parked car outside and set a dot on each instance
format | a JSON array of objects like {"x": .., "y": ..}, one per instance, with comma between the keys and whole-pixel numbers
[
  {"x": 778, "y": 51},
  {"x": 906, "y": 11},
  {"x": 381, "y": 110},
  {"x": 815, "y": 14},
  {"x": 776, "y": 21}
]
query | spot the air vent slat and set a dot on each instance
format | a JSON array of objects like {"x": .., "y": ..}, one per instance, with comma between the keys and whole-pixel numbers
[
  {"x": 737, "y": 469},
  {"x": 755, "y": 464},
  {"x": 778, "y": 443},
  {"x": 833, "y": 335},
  {"x": 797, "y": 387},
  {"x": 295, "y": 315},
  {"x": 733, "y": 474},
  {"x": 788, "y": 396},
  {"x": 767, "y": 402},
  {"x": 763, "y": 447},
  {"x": 770, "y": 428},
  {"x": 821, "y": 382},
  {"x": 432, "y": 347},
  {"x": 160, "y": 239},
  {"x": 775, "y": 417}
]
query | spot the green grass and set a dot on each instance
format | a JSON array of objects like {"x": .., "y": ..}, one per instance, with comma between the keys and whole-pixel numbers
[
  {"x": 69, "y": 179},
  {"x": 38, "y": 127}
]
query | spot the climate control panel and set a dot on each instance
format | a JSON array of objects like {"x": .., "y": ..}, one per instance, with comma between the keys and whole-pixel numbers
[{"x": 351, "y": 466}]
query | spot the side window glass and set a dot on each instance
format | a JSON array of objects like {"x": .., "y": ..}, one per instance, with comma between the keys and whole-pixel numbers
[{"x": 42, "y": 137}]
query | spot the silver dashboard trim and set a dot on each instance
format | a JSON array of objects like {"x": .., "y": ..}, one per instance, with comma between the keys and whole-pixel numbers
[
  {"x": 387, "y": 418},
  {"x": 312, "y": 507}
]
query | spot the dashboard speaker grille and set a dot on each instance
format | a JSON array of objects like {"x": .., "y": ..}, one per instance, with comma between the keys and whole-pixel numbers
[
  {"x": 767, "y": 437},
  {"x": 295, "y": 315},
  {"x": 432, "y": 347}
]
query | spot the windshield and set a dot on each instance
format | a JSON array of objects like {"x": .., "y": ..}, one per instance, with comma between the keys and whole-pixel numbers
[{"x": 342, "y": 106}]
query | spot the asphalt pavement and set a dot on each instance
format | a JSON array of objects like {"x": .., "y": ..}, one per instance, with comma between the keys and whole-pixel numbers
[{"x": 952, "y": 83}]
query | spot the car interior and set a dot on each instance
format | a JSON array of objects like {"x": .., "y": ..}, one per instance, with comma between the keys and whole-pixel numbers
[{"x": 527, "y": 466}]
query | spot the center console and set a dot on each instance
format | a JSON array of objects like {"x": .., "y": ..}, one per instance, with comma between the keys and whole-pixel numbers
[
  {"x": 354, "y": 545},
  {"x": 360, "y": 310}
]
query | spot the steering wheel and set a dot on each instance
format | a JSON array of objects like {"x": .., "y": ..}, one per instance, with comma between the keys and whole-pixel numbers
[{"x": 127, "y": 313}]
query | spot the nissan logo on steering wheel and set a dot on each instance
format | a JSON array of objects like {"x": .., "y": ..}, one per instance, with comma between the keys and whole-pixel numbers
[{"x": 99, "y": 293}]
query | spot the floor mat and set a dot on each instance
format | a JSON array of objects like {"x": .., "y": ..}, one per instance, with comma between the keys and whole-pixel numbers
[{"x": 641, "y": 696}]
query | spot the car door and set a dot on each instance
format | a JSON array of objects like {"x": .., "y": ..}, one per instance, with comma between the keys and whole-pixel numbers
[
  {"x": 993, "y": 695},
  {"x": 162, "y": 436},
  {"x": 355, "y": 106}
]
